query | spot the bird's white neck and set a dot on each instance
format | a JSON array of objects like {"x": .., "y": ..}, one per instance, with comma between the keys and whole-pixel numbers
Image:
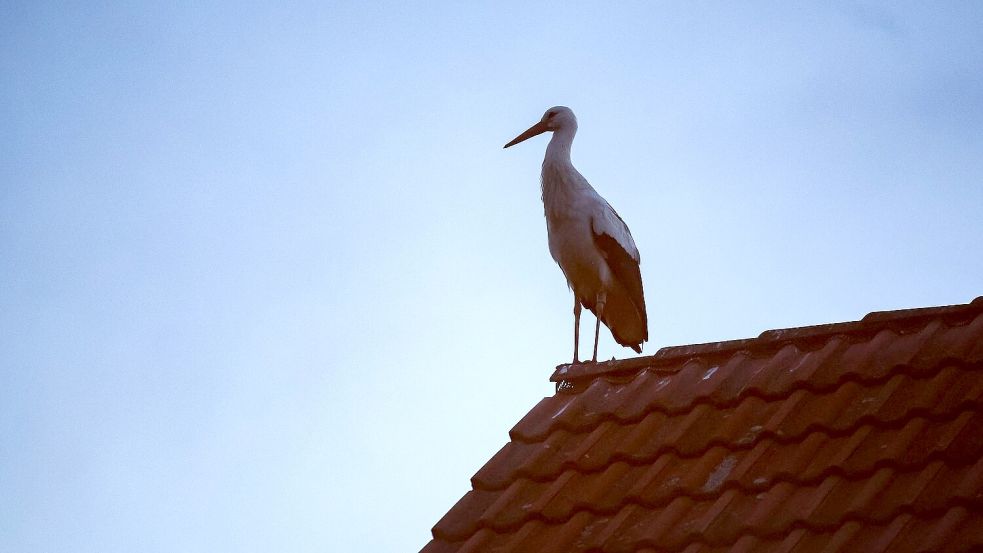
[
  {"x": 561, "y": 182},
  {"x": 559, "y": 146}
]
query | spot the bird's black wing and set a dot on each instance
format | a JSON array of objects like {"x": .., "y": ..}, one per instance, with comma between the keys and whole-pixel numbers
[{"x": 612, "y": 237}]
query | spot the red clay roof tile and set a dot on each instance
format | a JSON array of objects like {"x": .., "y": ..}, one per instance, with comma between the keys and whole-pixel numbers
[{"x": 861, "y": 436}]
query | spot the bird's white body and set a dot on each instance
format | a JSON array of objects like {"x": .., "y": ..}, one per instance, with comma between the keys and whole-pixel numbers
[
  {"x": 588, "y": 240},
  {"x": 571, "y": 205}
]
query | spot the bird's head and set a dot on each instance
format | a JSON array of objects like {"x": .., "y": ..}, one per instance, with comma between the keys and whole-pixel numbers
[{"x": 555, "y": 119}]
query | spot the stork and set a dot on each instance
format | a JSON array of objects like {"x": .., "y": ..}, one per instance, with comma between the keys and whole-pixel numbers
[{"x": 589, "y": 241}]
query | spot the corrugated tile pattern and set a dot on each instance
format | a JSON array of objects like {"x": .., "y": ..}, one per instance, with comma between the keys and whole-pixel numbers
[{"x": 862, "y": 436}]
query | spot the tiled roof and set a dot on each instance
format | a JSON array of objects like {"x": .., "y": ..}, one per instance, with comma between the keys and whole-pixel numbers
[{"x": 861, "y": 436}]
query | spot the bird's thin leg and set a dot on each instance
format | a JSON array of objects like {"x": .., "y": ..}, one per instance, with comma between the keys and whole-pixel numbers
[
  {"x": 576, "y": 328},
  {"x": 597, "y": 326}
]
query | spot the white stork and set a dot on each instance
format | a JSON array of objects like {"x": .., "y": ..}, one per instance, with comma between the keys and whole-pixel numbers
[{"x": 589, "y": 241}]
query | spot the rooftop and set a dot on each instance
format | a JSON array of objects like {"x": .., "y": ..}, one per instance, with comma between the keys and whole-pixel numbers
[{"x": 857, "y": 436}]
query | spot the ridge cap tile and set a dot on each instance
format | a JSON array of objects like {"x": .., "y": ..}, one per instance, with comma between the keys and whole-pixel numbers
[{"x": 666, "y": 356}]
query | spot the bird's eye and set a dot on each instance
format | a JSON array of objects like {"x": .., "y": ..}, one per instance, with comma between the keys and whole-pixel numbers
[{"x": 550, "y": 114}]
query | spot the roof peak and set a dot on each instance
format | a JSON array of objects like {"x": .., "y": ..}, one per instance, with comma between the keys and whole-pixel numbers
[{"x": 766, "y": 341}]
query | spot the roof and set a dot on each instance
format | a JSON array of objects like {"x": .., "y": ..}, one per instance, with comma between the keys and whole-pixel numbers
[{"x": 860, "y": 436}]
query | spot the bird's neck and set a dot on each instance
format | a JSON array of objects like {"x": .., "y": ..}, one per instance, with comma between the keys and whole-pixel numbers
[
  {"x": 561, "y": 182},
  {"x": 558, "y": 150}
]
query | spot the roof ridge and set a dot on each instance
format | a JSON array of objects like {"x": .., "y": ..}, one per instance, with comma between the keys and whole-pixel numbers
[
  {"x": 769, "y": 339},
  {"x": 916, "y": 372}
]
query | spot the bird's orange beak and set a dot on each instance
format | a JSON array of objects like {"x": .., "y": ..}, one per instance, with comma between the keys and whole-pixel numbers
[{"x": 538, "y": 128}]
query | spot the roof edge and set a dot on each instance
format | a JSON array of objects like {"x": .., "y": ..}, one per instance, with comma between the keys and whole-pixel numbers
[{"x": 769, "y": 339}]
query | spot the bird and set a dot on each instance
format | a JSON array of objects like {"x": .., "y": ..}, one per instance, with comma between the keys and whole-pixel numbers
[{"x": 589, "y": 241}]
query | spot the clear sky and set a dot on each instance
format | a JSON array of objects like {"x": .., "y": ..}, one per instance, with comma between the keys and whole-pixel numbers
[{"x": 268, "y": 281}]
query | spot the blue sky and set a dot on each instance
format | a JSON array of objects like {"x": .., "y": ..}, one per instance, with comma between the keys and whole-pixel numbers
[{"x": 268, "y": 280}]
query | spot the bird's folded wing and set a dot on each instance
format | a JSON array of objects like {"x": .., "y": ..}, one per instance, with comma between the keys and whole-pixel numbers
[
  {"x": 608, "y": 222},
  {"x": 613, "y": 239}
]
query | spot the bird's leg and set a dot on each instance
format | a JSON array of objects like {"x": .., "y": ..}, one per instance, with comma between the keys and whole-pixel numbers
[
  {"x": 597, "y": 327},
  {"x": 576, "y": 328}
]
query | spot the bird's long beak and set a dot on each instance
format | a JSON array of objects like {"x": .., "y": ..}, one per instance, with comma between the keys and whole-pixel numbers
[{"x": 538, "y": 128}]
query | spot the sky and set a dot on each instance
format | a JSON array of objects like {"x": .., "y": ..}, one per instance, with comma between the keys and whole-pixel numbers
[{"x": 269, "y": 282}]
